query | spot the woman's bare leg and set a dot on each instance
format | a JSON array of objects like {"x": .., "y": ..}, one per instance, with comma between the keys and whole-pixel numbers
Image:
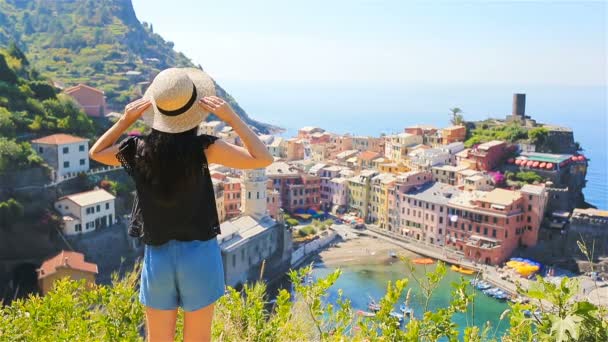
[
  {"x": 197, "y": 324},
  {"x": 160, "y": 325}
]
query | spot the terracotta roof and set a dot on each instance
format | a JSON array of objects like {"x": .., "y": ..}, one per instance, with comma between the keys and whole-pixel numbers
[
  {"x": 89, "y": 197},
  {"x": 59, "y": 139},
  {"x": 67, "y": 259},
  {"x": 369, "y": 155},
  {"x": 79, "y": 86}
]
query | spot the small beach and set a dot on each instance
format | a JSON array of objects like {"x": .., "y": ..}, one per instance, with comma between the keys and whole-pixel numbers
[{"x": 361, "y": 250}]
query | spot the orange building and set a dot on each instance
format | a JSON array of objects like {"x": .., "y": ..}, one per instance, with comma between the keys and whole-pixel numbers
[
  {"x": 488, "y": 226},
  {"x": 92, "y": 100},
  {"x": 453, "y": 134},
  {"x": 65, "y": 264}
]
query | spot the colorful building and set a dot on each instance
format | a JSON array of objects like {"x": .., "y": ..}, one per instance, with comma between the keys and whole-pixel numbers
[
  {"x": 453, "y": 134},
  {"x": 423, "y": 212},
  {"x": 366, "y": 159},
  {"x": 65, "y": 264},
  {"x": 295, "y": 149},
  {"x": 91, "y": 100},
  {"x": 488, "y": 226},
  {"x": 396, "y": 146},
  {"x": 380, "y": 187},
  {"x": 365, "y": 143},
  {"x": 358, "y": 192},
  {"x": 484, "y": 157},
  {"x": 447, "y": 174}
]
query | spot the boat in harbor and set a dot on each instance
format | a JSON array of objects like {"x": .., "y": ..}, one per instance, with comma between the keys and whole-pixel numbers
[
  {"x": 372, "y": 305},
  {"x": 462, "y": 270},
  {"x": 480, "y": 284},
  {"x": 365, "y": 313},
  {"x": 406, "y": 310},
  {"x": 396, "y": 315},
  {"x": 423, "y": 261}
]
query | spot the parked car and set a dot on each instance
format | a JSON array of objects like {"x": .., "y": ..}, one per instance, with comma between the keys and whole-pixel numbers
[{"x": 360, "y": 226}]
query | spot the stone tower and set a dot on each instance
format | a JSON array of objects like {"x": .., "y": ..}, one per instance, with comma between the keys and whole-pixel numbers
[{"x": 253, "y": 193}]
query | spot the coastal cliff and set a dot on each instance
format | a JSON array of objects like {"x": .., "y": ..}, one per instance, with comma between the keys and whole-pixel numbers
[{"x": 99, "y": 43}]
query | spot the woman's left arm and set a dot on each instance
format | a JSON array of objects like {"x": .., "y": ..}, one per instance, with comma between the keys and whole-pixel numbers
[
  {"x": 254, "y": 156},
  {"x": 104, "y": 150}
]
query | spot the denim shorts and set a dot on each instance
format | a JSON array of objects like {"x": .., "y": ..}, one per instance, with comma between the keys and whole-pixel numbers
[{"x": 189, "y": 274}]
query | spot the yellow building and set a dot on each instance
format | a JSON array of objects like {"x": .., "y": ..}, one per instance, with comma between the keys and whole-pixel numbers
[
  {"x": 358, "y": 192},
  {"x": 394, "y": 168},
  {"x": 65, "y": 264},
  {"x": 380, "y": 187}
]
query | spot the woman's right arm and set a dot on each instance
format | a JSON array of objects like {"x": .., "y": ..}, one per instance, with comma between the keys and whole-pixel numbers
[{"x": 221, "y": 152}]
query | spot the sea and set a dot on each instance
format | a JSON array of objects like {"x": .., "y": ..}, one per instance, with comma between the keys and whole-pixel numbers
[
  {"x": 360, "y": 283},
  {"x": 372, "y": 108}
]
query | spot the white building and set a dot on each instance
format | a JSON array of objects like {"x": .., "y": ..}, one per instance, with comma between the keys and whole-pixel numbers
[
  {"x": 452, "y": 149},
  {"x": 66, "y": 154},
  {"x": 253, "y": 193},
  {"x": 254, "y": 236},
  {"x": 85, "y": 211},
  {"x": 425, "y": 159}
]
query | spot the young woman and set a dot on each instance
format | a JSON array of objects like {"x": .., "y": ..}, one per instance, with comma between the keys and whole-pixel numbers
[{"x": 175, "y": 201}]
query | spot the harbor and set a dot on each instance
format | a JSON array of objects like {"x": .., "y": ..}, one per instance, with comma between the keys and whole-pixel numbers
[{"x": 368, "y": 262}]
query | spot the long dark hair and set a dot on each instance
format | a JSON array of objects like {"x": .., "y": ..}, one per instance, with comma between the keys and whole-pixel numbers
[{"x": 169, "y": 162}]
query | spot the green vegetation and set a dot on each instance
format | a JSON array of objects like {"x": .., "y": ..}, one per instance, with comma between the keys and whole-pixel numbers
[
  {"x": 456, "y": 116},
  {"x": 306, "y": 231},
  {"x": 99, "y": 43},
  {"x": 30, "y": 107},
  {"x": 538, "y": 135},
  {"x": 71, "y": 312},
  {"x": 114, "y": 187},
  {"x": 484, "y": 133},
  {"x": 529, "y": 177},
  {"x": 10, "y": 212},
  {"x": 314, "y": 227}
]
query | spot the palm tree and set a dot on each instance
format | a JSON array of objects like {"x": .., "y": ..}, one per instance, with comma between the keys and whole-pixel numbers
[{"x": 457, "y": 118}]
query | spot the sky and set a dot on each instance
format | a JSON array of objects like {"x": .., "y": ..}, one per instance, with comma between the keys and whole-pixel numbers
[{"x": 472, "y": 42}]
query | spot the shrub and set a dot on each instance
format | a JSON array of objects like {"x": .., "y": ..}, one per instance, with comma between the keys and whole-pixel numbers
[
  {"x": 291, "y": 222},
  {"x": 73, "y": 312},
  {"x": 528, "y": 177}
]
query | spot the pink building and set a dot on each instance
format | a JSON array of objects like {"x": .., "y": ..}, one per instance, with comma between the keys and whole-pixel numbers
[
  {"x": 423, "y": 212},
  {"x": 232, "y": 197},
  {"x": 488, "y": 226},
  {"x": 327, "y": 173},
  {"x": 92, "y": 100}
]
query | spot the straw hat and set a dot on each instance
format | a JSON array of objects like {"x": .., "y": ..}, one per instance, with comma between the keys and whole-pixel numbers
[{"x": 174, "y": 94}]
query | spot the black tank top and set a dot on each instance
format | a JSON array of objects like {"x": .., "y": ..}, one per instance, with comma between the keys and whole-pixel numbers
[{"x": 191, "y": 215}]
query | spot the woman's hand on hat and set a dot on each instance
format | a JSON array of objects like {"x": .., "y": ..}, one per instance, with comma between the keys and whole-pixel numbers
[
  {"x": 219, "y": 107},
  {"x": 135, "y": 109}
]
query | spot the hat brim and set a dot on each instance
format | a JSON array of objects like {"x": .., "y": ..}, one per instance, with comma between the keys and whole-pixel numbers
[{"x": 187, "y": 120}]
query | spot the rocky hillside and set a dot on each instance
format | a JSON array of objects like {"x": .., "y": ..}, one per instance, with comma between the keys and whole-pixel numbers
[{"x": 101, "y": 43}]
